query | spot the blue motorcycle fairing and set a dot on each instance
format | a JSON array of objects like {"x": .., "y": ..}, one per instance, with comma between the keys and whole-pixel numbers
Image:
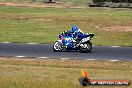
[
  {"x": 81, "y": 36},
  {"x": 67, "y": 41}
]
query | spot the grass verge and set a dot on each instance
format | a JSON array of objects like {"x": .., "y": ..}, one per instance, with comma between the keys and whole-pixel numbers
[
  {"x": 49, "y": 73},
  {"x": 43, "y": 25}
]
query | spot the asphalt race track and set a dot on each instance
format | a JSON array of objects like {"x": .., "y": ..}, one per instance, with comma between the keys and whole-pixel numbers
[{"x": 45, "y": 50}]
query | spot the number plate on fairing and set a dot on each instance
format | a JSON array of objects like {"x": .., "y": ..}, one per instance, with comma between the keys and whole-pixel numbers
[{"x": 85, "y": 39}]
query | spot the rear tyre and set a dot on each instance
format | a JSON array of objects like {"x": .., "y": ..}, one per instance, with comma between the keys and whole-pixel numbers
[
  {"x": 58, "y": 46},
  {"x": 86, "y": 47}
]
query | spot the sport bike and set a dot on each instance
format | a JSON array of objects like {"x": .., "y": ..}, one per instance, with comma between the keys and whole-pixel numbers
[{"x": 72, "y": 41}]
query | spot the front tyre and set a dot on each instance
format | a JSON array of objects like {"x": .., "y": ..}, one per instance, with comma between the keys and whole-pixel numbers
[
  {"x": 58, "y": 46},
  {"x": 86, "y": 47}
]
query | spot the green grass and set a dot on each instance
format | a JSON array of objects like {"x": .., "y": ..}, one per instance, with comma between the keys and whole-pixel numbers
[
  {"x": 39, "y": 73},
  {"x": 43, "y": 25}
]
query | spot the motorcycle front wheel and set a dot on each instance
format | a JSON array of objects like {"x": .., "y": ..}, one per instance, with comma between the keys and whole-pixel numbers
[{"x": 58, "y": 46}]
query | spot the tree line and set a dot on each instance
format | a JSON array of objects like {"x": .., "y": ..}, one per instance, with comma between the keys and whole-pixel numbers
[{"x": 114, "y": 1}]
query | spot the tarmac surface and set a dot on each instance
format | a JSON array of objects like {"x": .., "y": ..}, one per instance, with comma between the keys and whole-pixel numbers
[{"x": 46, "y": 51}]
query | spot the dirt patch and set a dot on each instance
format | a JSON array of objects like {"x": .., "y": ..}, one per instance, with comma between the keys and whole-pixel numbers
[
  {"x": 118, "y": 28},
  {"x": 46, "y": 5},
  {"x": 50, "y": 5},
  {"x": 31, "y": 4}
]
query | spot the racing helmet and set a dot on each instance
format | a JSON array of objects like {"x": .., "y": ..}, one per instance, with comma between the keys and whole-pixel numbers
[{"x": 74, "y": 29}]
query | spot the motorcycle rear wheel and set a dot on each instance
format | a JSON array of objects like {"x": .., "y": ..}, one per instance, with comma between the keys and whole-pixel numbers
[{"x": 86, "y": 47}]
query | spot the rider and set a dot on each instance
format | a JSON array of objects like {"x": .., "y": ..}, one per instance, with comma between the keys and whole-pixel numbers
[
  {"x": 75, "y": 33},
  {"x": 75, "y": 30},
  {"x": 78, "y": 34}
]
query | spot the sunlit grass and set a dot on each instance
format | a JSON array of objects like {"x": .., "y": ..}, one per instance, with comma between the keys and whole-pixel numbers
[
  {"x": 43, "y": 25},
  {"x": 39, "y": 73}
]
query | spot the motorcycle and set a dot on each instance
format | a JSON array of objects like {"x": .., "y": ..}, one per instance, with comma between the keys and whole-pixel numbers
[{"x": 71, "y": 41}]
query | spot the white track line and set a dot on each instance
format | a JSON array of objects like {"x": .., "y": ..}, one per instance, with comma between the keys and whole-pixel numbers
[
  {"x": 42, "y": 57},
  {"x": 5, "y": 42},
  {"x": 20, "y": 56},
  {"x": 114, "y": 46},
  {"x": 91, "y": 59},
  {"x": 64, "y": 58},
  {"x": 113, "y": 60},
  {"x": 67, "y": 58},
  {"x": 32, "y": 43}
]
